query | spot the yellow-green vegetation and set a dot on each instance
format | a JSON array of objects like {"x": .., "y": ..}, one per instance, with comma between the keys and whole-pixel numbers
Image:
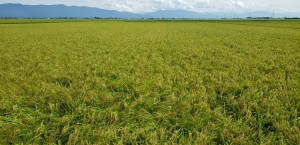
[{"x": 149, "y": 82}]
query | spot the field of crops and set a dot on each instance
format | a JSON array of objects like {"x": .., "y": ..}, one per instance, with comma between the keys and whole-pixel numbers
[{"x": 149, "y": 82}]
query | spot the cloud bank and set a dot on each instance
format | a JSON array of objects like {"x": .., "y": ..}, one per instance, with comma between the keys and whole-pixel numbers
[{"x": 143, "y": 6}]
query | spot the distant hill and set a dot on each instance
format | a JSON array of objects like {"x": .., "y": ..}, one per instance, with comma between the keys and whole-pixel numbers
[
  {"x": 178, "y": 14},
  {"x": 55, "y": 11},
  {"x": 61, "y": 11}
]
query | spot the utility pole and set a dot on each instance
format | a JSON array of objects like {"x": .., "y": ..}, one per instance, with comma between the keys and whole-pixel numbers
[{"x": 273, "y": 14}]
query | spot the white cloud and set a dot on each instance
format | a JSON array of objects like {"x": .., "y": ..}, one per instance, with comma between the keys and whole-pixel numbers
[{"x": 141, "y": 6}]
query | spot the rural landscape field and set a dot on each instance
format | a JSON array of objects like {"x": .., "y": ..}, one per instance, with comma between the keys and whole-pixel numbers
[{"x": 149, "y": 82}]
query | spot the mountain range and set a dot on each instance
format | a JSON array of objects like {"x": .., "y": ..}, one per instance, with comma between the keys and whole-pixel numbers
[{"x": 63, "y": 11}]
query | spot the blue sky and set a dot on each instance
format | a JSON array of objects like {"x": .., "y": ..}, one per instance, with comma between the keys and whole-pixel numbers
[{"x": 142, "y": 6}]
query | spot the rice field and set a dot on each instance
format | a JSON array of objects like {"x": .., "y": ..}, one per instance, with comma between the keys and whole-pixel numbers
[{"x": 149, "y": 82}]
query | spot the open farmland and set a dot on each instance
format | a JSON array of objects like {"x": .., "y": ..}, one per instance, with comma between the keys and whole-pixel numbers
[{"x": 149, "y": 82}]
